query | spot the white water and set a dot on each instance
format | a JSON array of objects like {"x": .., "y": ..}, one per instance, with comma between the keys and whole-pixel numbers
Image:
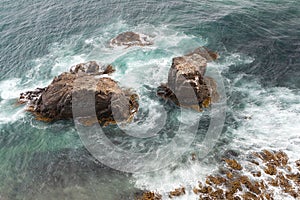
[
  {"x": 275, "y": 119},
  {"x": 274, "y": 112}
]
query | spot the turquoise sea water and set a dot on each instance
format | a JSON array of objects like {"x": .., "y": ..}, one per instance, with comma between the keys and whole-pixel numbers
[{"x": 259, "y": 47}]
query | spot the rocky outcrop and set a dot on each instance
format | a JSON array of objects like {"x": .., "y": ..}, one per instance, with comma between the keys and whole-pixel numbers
[
  {"x": 130, "y": 38},
  {"x": 54, "y": 102},
  {"x": 187, "y": 84}
]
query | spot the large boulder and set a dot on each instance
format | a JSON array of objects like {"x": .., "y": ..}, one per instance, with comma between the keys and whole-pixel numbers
[
  {"x": 54, "y": 102},
  {"x": 187, "y": 84},
  {"x": 131, "y": 39}
]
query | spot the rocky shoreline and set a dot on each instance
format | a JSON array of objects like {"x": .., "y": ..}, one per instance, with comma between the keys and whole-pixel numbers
[{"x": 256, "y": 179}]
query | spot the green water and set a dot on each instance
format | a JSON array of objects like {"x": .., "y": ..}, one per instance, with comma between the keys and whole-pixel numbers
[{"x": 258, "y": 42}]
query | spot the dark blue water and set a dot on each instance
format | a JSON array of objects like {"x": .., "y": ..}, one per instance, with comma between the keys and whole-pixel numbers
[{"x": 259, "y": 47}]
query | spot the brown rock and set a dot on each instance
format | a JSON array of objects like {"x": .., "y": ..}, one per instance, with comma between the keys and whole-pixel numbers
[
  {"x": 206, "y": 190},
  {"x": 274, "y": 182},
  {"x": 250, "y": 196},
  {"x": 270, "y": 169},
  {"x": 196, "y": 190},
  {"x": 233, "y": 164},
  {"x": 252, "y": 187},
  {"x": 218, "y": 194},
  {"x": 187, "y": 86},
  {"x": 256, "y": 174},
  {"x": 241, "y": 185},
  {"x": 278, "y": 158},
  {"x": 297, "y": 163},
  {"x": 282, "y": 158},
  {"x": 234, "y": 186},
  {"x": 111, "y": 103},
  {"x": 215, "y": 180},
  {"x": 150, "y": 196},
  {"x": 131, "y": 39},
  {"x": 177, "y": 192},
  {"x": 269, "y": 196},
  {"x": 229, "y": 175},
  {"x": 263, "y": 185},
  {"x": 31, "y": 96},
  {"x": 294, "y": 177},
  {"x": 194, "y": 157}
]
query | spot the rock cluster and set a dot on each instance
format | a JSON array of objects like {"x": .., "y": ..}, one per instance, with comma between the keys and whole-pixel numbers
[
  {"x": 234, "y": 182},
  {"x": 187, "y": 84},
  {"x": 54, "y": 102},
  {"x": 262, "y": 173}
]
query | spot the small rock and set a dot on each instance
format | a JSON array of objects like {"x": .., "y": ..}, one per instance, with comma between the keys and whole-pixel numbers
[
  {"x": 177, "y": 192},
  {"x": 150, "y": 196},
  {"x": 131, "y": 39},
  {"x": 233, "y": 164}
]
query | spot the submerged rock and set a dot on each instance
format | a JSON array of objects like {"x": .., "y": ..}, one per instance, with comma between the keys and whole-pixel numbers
[
  {"x": 187, "y": 84},
  {"x": 54, "y": 102},
  {"x": 131, "y": 39}
]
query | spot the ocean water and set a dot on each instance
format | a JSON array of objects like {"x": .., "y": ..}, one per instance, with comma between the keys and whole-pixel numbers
[{"x": 258, "y": 70}]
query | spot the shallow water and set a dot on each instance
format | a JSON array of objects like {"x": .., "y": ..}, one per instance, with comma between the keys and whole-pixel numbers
[{"x": 258, "y": 43}]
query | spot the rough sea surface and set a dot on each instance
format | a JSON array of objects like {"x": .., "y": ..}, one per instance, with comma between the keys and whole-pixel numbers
[{"x": 259, "y": 46}]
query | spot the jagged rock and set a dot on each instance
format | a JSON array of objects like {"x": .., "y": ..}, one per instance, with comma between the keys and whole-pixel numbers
[
  {"x": 131, "y": 39},
  {"x": 91, "y": 67},
  {"x": 31, "y": 96},
  {"x": 54, "y": 102},
  {"x": 187, "y": 84},
  {"x": 244, "y": 184},
  {"x": 215, "y": 180},
  {"x": 233, "y": 164},
  {"x": 177, "y": 192},
  {"x": 271, "y": 169},
  {"x": 150, "y": 196}
]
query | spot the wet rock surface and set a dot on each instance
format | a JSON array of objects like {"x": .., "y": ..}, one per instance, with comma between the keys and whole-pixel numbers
[
  {"x": 187, "y": 84},
  {"x": 260, "y": 176},
  {"x": 130, "y": 38},
  {"x": 149, "y": 196},
  {"x": 177, "y": 192},
  {"x": 54, "y": 102}
]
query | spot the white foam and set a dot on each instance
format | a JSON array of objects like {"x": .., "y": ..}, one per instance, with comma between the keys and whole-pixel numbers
[
  {"x": 167, "y": 180},
  {"x": 274, "y": 124},
  {"x": 275, "y": 119},
  {"x": 187, "y": 174},
  {"x": 10, "y": 112},
  {"x": 9, "y": 90},
  {"x": 155, "y": 121}
]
